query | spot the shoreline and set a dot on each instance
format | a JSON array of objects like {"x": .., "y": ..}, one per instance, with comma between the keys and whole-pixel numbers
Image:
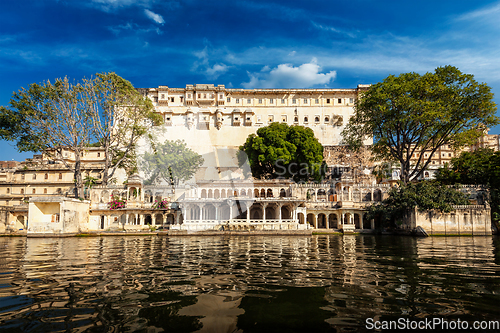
[{"x": 179, "y": 233}]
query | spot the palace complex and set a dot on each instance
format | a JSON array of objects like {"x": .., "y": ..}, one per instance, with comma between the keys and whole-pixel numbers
[{"x": 214, "y": 121}]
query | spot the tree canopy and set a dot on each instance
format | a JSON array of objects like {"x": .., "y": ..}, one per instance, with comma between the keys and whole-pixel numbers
[
  {"x": 279, "y": 150},
  {"x": 412, "y": 113},
  {"x": 172, "y": 162}
]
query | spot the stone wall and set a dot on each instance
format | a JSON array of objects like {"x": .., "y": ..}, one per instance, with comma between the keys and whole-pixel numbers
[{"x": 464, "y": 220}]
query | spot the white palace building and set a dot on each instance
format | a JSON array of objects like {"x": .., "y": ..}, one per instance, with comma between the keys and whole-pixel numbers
[{"x": 214, "y": 121}]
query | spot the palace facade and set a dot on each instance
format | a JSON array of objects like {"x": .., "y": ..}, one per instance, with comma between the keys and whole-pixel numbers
[{"x": 214, "y": 121}]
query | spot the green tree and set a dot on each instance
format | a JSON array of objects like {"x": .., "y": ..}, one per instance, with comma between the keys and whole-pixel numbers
[
  {"x": 412, "y": 113},
  {"x": 481, "y": 167},
  {"x": 50, "y": 117},
  {"x": 426, "y": 195},
  {"x": 279, "y": 150},
  {"x": 172, "y": 162}
]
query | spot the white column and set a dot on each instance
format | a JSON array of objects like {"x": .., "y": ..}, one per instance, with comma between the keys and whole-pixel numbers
[
  {"x": 361, "y": 221},
  {"x": 264, "y": 205},
  {"x": 372, "y": 223},
  {"x": 248, "y": 212},
  {"x": 315, "y": 222},
  {"x": 327, "y": 221}
]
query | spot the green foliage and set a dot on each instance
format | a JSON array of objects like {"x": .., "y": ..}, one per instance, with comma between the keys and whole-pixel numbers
[
  {"x": 412, "y": 112},
  {"x": 481, "y": 167},
  {"x": 426, "y": 195},
  {"x": 279, "y": 150},
  {"x": 172, "y": 162},
  {"x": 89, "y": 181}
]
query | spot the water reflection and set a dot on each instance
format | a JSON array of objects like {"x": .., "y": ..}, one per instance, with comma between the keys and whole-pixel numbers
[{"x": 242, "y": 284}]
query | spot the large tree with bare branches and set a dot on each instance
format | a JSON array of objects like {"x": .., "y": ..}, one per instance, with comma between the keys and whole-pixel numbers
[
  {"x": 413, "y": 113},
  {"x": 120, "y": 117},
  {"x": 52, "y": 117}
]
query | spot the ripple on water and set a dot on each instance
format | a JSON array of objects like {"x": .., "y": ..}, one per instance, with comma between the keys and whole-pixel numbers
[{"x": 251, "y": 284}]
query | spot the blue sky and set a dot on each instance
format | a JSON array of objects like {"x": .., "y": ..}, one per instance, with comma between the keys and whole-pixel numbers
[{"x": 244, "y": 44}]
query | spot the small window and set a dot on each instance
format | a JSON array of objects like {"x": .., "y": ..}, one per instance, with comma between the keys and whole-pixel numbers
[
  {"x": 235, "y": 118},
  {"x": 34, "y": 176},
  {"x": 294, "y": 101},
  {"x": 181, "y": 97},
  {"x": 316, "y": 119},
  {"x": 199, "y": 95},
  {"x": 340, "y": 100},
  {"x": 59, "y": 191},
  {"x": 296, "y": 119},
  {"x": 168, "y": 118},
  {"x": 22, "y": 191},
  {"x": 306, "y": 120},
  {"x": 248, "y": 118},
  {"x": 221, "y": 96},
  {"x": 237, "y": 100},
  {"x": 283, "y": 118},
  {"x": 98, "y": 154},
  {"x": 172, "y": 99},
  {"x": 34, "y": 191},
  {"x": 305, "y": 100},
  {"x": 270, "y": 118},
  {"x": 449, "y": 154},
  {"x": 155, "y": 99},
  {"x": 327, "y": 101},
  {"x": 81, "y": 154},
  {"x": 327, "y": 119},
  {"x": 229, "y": 99},
  {"x": 8, "y": 190},
  {"x": 271, "y": 101},
  {"x": 282, "y": 101},
  {"x": 46, "y": 176},
  {"x": 249, "y": 101},
  {"x": 204, "y": 95},
  {"x": 351, "y": 100},
  {"x": 44, "y": 191},
  {"x": 162, "y": 96},
  {"x": 60, "y": 176},
  {"x": 260, "y": 100},
  {"x": 317, "y": 101},
  {"x": 211, "y": 95},
  {"x": 189, "y": 95}
]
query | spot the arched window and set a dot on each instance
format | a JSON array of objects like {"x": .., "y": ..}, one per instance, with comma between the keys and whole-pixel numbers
[{"x": 46, "y": 176}]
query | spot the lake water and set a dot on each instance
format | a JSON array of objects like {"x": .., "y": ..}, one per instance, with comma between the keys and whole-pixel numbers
[{"x": 244, "y": 284}]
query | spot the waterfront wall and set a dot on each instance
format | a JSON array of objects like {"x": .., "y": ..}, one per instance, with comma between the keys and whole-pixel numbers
[
  {"x": 58, "y": 215},
  {"x": 464, "y": 220}
]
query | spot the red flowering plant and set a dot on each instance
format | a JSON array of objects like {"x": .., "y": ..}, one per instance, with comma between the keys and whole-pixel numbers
[
  {"x": 116, "y": 203},
  {"x": 163, "y": 204}
]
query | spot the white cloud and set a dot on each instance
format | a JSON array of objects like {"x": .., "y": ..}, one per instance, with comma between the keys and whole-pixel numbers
[
  {"x": 487, "y": 12},
  {"x": 287, "y": 76},
  {"x": 333, "y": 29},
  {"x": 203, "y": 65},
  {"x": 216, "y": 70},
  {"x": 153, "y": 16}
]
